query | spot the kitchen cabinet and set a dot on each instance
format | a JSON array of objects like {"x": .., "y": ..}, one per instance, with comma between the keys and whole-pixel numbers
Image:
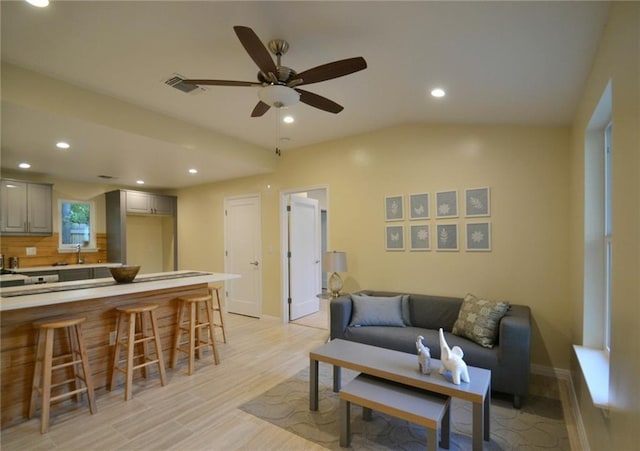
[
  {"x": 67, "y": 275},
  {"x": 25, "y": 208},
  {"x": 139, "y": 202},
  {"x": 137, "y": 235},
  {"x": 101, "y": 273}
]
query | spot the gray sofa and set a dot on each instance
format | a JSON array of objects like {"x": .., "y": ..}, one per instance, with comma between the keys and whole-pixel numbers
[{"x": 508, "y": 360}]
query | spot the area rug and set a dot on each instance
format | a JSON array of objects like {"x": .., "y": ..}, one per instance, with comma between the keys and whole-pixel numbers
[{"x": 539, "y": 425}]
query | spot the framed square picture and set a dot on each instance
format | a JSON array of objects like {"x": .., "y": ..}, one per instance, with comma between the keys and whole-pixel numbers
[
  {"x": 477, "y": 202},
  {"x": 447, "y": 204},
  {"x": 394, "y": 238},
  {"x": 419, "y": 206},
  {"x": 420, "y": 237},
  {"x": 447, "y": 237},
  {"x": 393, "y": 208},
  {"x": 479, "y": 237}
]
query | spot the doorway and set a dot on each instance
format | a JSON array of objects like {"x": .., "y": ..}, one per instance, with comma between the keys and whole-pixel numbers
[
  {"x": 312, "y": 233},
  {"x": 243, "y": 254}
]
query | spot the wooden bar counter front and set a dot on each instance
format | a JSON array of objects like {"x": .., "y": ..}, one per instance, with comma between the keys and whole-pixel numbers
[{"x": 96, "y": 301}]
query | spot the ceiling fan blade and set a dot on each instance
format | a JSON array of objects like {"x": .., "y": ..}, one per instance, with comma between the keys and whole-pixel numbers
[
  {"x": 260, "y": 109},
  {"x": 222, "y": 82},
  {"x": 332, "y": 70},
  {"x": 256, "y": 49},
  {"x": 319, "y": 102}
]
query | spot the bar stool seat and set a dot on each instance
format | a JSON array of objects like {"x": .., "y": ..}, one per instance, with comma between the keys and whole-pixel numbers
[
  {"x": 71, "y": 362},
  {"x": 193, "y": 328},
  {"x": 132, "y": 334}
]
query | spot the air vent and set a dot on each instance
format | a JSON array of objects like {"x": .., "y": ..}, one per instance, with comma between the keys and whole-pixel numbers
[
  {"x": 107, "y": 177},
  {"x": 176, "y": 81}
]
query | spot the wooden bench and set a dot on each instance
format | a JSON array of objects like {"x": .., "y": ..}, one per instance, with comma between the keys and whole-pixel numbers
[{"x": 415, "y": 406}]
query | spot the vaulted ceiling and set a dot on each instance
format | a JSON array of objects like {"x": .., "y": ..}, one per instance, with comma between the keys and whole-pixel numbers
[{"x": 93, "y": 73}]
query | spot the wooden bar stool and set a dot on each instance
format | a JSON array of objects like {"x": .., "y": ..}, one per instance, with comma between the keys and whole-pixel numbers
[
  {"x": 127, "y": 338},
  {"x": 218, "y": 308},
  {"x": 193, "y": 327},
  {"x": 46, "y": 363}
]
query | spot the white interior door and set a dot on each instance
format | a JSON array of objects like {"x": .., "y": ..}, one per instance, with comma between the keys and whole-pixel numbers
[
  {"x": 304, "y": 257},
  {"x": 243, "y": 255}
]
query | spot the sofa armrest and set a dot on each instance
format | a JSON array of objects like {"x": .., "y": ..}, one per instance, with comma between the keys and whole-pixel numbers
[
  {"x": 340, "y": 310},
  {"x": 515, "y": 346}
]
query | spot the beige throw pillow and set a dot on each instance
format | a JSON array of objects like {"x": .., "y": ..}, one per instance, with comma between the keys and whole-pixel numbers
[{"x": 479, "y": 319}]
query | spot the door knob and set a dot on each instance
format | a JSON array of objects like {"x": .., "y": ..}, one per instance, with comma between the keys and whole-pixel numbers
[{"x": 254, "y": 263}]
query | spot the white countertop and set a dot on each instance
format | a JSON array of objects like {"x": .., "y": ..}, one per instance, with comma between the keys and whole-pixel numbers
[{"x": 60, "y": 297}]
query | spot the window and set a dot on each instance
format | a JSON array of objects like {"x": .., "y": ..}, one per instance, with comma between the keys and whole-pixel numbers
[
  {"x": 593, "y": 353},
  {"x": 608, "y": 234},
  {"x": 77, "y": 225}
]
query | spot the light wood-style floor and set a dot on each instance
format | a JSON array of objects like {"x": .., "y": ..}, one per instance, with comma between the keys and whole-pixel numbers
[
  {"x": 195, "y": 412},
  {"x": 319, "y": 320},
  {"x": 199, "y": 412}
]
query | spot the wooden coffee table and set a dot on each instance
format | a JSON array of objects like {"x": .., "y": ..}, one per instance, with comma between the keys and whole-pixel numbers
[{"x": 403, "y": 368}]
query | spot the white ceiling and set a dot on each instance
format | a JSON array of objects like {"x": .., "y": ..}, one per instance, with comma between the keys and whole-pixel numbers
[{"x": 500, "y": 62}]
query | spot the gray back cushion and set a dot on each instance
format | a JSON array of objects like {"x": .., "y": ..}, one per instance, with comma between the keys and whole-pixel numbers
[{"x": 429, "y": 312}]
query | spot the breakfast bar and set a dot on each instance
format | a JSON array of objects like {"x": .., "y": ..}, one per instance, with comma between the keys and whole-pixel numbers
[{"x": 96, "y": 300}]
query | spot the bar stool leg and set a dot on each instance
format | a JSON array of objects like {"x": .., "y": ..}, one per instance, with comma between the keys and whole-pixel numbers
[
  {"x": 75, "y": 353},
  {"x": 219, "y": 310},
  {"x": 116, "y": 353},
  {"x": 159, "y": 356},
  {"x": 176, "y": 342},
  {"x": 198, "y": 329},
  {"x": 37, "y": 372},
  {"x": 192, "y": 336},
  {"x": 144, "y": 327},
  {"x": 46, "y": 383},
  {"x": 86, "y": 371},
  {"x": 131, "y": 342},
  {"x": 211, "y": 331}
]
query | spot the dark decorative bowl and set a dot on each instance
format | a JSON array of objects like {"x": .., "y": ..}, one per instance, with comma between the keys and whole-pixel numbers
[{"x": 125, "y": 273}]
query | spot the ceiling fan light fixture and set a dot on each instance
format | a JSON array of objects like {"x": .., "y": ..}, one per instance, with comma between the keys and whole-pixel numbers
[
  {"x": 39, "y": 3},
  {"x": 278, "y": 96}
]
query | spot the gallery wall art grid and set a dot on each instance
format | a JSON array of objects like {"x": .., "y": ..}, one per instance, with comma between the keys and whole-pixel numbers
[{"x": 445, "y": 235}]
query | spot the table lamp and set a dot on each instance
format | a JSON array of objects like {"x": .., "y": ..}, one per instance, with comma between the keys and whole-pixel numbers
[{"x": 334, "y": 262}]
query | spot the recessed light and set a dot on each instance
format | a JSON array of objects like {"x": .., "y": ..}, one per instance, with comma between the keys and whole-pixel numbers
[
  {"x": 193, "y": 171},
  {"x": 288, "y": 119},
  {"x": 62, "y": 145},
  {"x": 140, "y": 182},
  {"x": 39, "y": 3},
  {"x": 24, "y": 165},
  {"x": 438, "y": 92}
]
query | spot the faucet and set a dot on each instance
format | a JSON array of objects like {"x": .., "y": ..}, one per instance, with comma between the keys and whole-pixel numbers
[{"x": 78, "y": 259}]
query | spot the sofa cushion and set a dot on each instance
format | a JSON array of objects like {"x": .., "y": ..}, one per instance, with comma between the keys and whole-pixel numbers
[
  {"x": 434, "y": 312},
  {"x": 478, "y": 320},
  {"x": 376, "y": 311}
]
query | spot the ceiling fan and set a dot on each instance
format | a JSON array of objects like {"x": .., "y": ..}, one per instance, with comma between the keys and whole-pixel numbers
[{"x": 280, "y": 83}]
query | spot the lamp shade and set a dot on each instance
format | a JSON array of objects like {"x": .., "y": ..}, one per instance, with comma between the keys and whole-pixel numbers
[
  {"x": 334, "y": 261},
  {"x": 278, "y": 96}
]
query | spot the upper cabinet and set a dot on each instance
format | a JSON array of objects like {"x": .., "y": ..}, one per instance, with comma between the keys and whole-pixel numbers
[
  {"x": 139, "y": 202},
  {"x": 25, "y": 208}
]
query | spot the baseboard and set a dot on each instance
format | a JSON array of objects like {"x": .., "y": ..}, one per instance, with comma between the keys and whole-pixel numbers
[
  {"x": 564, "y": 375},
  {"x": 558, "y": 373}
]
